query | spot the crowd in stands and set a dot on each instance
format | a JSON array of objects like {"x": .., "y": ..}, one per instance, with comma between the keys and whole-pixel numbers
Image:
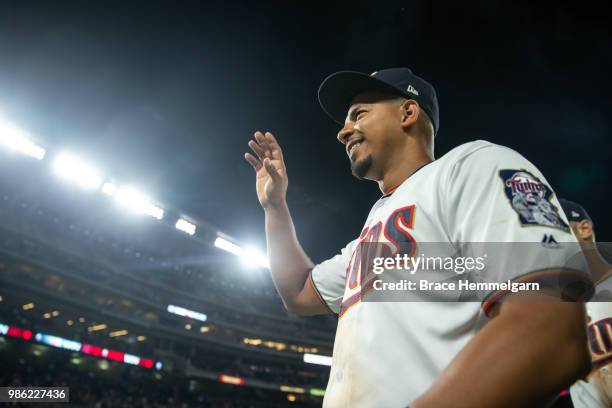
[{"x": 127, "y": 387}]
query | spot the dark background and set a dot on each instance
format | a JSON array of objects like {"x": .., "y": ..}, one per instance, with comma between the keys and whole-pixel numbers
[{"x": 165, "y": 96}]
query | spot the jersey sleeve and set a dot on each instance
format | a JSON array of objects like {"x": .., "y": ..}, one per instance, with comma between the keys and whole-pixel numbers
[
  {"x": 497, "y": 201},
  {"x": 329, "y": 277}
]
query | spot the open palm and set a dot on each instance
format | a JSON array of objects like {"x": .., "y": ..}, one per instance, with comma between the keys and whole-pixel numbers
[{"x": 270, "y": 171}]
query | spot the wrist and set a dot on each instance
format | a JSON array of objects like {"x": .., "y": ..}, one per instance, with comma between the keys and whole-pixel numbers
[{"x": 277, "y": 207}]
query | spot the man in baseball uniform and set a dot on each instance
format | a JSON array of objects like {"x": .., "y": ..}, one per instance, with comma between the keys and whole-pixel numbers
[
  {"x": 596, "y": 391},
  {"x": 510, "y": 353}
]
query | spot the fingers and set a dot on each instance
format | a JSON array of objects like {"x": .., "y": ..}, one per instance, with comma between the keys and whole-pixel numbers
[
  {"x": 259, "y": 151},
  {"x": 271, "y": 169},
  {"x": 253, "y": 161},
  {"x": 275, "y": 148},
  {"x": 263, "y": 143},
  {"x": 265, "y": 147},
  {"x": 267, "y": 163},
  {"x": 270, "y": 138}
]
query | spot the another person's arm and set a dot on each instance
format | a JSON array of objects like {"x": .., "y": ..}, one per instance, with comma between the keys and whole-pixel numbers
[{"x": 289, "y": 264}]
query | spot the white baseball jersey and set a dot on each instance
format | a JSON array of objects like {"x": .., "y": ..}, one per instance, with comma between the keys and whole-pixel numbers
[
  {"x": 386, "y": 354},
  {"x": 586, "y": 394}
]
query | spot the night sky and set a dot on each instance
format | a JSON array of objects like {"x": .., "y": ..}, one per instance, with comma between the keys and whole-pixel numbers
[{"x": 165, "y": 96}]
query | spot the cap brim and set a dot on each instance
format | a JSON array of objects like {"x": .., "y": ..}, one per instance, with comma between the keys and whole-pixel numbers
[{"x": 338, "y": 90}]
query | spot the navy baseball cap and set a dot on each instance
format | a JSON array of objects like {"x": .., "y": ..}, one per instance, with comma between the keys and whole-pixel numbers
[
  {"x": 338, "y": 90},
  {"x": 574, "y": 211}
]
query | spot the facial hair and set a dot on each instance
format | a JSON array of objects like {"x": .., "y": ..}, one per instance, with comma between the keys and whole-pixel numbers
[{"x": 360, "y": 168}]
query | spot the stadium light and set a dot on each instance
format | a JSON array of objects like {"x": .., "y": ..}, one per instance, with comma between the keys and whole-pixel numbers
[
  {"x": 109, "y": 188},
  {"x": 252, "y": 342},
  {"x": 185, "y": 226},
  {"x": 317, "y": 392},
  {"x": 317, "y": 359},
  {"x": 97, "y": 327},
  {"x": 250, "y": 256},
  {"x": 72, "y": 168},
  {"x": 16, "y": 139},
  {"x": 135, "y": 201},
  {"x": 118, "y": 333},
  {"x": 229, "y": 379},
  {"x": 181, "y": 311},
  {"x": 228, "y": 246},
  {"x": 253, "y": 257},
  {"x": 289, "y": 388}
]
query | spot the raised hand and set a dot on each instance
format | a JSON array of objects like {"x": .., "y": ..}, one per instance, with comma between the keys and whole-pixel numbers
[{"x": 271, "y": 174}]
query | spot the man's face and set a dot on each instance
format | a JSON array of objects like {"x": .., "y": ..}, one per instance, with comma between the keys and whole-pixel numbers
[
  {"x": 371, "y": 131},
  {"x": 583, "y": 230}
]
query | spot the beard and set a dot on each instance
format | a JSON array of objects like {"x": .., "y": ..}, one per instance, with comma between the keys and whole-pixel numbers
[{"x": 360, "y": 168}]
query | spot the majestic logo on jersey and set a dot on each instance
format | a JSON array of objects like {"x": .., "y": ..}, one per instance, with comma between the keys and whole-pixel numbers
[
  {"x": 549, "y": 241},
  {"x": 530, "y": 198}
]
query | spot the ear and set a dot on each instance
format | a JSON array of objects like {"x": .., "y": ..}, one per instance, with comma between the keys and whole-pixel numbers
[
  {"x": 410, "y": 111},
  {"x": 585, "y": 230}
]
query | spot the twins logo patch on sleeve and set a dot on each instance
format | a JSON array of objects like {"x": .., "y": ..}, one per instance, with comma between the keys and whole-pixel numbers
[{"x": 530, "y": 198}]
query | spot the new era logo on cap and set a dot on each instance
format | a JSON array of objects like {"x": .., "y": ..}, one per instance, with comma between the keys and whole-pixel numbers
[
  {"x": 412, "y": 90},
  {"x": 574, "y": 211}
]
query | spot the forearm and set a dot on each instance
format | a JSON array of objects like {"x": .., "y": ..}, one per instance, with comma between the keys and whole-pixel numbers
[
  {"x": 524, "y": 357},
  {"x": 289, "y": 264}
]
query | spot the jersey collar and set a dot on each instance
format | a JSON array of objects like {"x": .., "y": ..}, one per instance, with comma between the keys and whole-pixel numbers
[{"x": 389, "y": 192}]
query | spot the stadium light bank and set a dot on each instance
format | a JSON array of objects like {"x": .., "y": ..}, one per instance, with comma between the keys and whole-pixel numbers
[
  {"x": 250, "y": 256},
  {"x": 79, "y": 171},
  {"x": 16, "y": 139}
]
